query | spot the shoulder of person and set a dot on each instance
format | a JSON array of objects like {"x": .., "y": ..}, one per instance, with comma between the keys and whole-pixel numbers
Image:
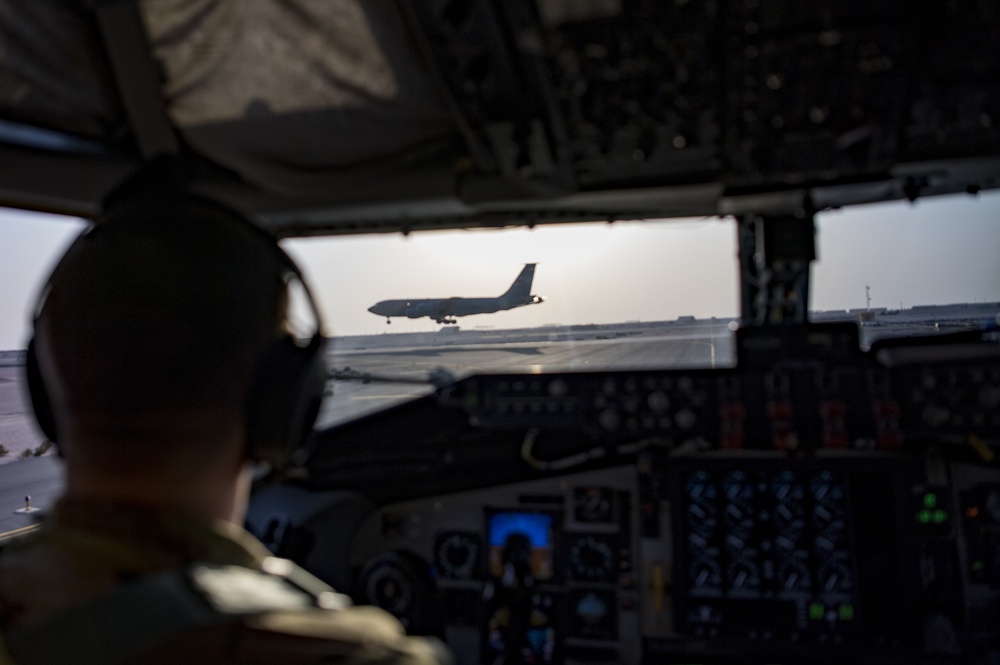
[
  {"x": 223, "y": 613},
  {"x": 286, "y": 610}
]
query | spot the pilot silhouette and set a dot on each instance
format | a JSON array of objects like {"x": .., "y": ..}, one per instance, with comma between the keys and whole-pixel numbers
[{"x": 163, "y": 368}]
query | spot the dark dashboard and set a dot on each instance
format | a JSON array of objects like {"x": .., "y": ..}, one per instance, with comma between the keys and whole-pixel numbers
[{"x": 816, "y": 503}]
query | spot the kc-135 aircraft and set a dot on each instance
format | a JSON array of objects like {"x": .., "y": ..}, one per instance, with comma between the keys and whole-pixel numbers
[{"x": 444, "y": 310}]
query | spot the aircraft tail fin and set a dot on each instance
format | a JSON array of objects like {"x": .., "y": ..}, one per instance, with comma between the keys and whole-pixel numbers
[{"x": 521, "y": 288}]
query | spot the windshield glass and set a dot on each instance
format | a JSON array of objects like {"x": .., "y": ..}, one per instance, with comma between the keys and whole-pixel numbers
[
  {"x": 623, "y": 295},
  {"x": 629, "y": 295}
]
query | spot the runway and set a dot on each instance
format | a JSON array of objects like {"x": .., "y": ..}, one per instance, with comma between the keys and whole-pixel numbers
[
  {"x": 699, "y": 345},
  {"x": 39, "y": 478}
]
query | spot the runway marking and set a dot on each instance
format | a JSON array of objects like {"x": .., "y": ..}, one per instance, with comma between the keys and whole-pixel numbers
[
  {"x": 19, "y": 532},
  {"x": 710, "y": 344}
]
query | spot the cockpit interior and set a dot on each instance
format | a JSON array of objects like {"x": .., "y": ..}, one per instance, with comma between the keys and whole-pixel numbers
[{"x": 819, "y": 501}]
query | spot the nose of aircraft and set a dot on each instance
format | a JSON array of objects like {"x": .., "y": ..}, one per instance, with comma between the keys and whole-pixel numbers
[{"x": 372, "y": 309}]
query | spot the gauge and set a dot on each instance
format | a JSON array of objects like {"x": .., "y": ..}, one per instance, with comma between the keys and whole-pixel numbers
[
  {"x": 735, "y": 545},
  {"x": 787, "y": 489},
  {"x": 789, "y": 519},
  {"x": 592, "y": 557},
  {"x": 391, "y": 590},
  {"x": 699, "y": 544},
  {"x": 705, "y": 573},
  {"x": 740, "y": 517},
  {"x": 400, "y": 583},
  {"x": 737, "y": 486},
  {"x": 700, "y": 487},
  {"x": 457, "y": 554},
  {"x": 594, "y": 504},
  {"x": 825, "y": 487},
  {"x": 793, "y": 576},
  {"x": 594, "y": 614},
  {"x": 743, "y": 575},
  {"x": 829, "y": 522},
  {"x": 834, "y": 577},
  {"x": 829, "y": 512},
  {"x": 739, "y": 512},
  {"x": 535, "y": 622},
  {"x": 703, "y": 517}
]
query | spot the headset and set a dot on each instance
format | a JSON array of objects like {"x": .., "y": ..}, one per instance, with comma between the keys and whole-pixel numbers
[{"x": 290, "y": 378}]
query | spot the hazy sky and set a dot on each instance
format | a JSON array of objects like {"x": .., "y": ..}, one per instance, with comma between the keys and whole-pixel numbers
[{"x": 937, "y": 251}]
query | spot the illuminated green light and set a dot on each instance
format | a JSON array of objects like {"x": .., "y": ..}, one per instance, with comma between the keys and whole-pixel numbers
[
  {"x": 924, "y": 516},
  {"x": 816, "y": 611},
  {"x": 930, "y": 500},
  {"x": 845, "y": 612},
  {"x": 978, "y": 565},
  {"x": 939, "y": 516}
]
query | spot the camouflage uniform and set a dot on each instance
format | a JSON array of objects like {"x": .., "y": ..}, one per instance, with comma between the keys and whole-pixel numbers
[{"x": 104, "y": 582}]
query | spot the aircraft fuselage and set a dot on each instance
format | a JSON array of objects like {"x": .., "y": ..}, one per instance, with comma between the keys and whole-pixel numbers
[{"x": 445, "y": 310}]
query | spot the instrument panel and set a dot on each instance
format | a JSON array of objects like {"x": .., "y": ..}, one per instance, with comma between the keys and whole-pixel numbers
[
  {"x": 796, "y": 392},
  {"x": 782, "y": 553},
  {"x": 709, "y": 557},
  {"x": 816, "y": 503},
  {"x": 539, "y": 571}
]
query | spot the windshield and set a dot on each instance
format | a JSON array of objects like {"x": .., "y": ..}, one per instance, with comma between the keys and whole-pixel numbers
[
  {"x": 623, "y": 295},
  {"x": 629, "y": 295}
]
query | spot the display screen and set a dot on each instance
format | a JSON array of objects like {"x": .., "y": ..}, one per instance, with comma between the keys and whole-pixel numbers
[
  {"x": 520, "y": 539},
  {"x": 520, "y": 616}
]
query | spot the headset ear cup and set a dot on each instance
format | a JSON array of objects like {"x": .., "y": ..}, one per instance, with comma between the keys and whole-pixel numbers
[
  {"x": 40, "y": 402},
  {"x": 285, "y": 400}
]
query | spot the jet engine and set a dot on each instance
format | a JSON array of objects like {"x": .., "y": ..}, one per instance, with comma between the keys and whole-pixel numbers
[{"x": 420, "y": 310}]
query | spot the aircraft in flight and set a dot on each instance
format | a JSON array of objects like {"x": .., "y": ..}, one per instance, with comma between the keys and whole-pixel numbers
[{"x": 445, "y": 310}]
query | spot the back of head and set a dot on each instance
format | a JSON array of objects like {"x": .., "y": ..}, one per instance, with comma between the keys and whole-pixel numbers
[{"x": 154, "y": 325}]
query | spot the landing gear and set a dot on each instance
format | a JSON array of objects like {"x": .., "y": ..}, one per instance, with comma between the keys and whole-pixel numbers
[
  {"x": 447, "y": 321},
  {"x": 388, "y": 320}
]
